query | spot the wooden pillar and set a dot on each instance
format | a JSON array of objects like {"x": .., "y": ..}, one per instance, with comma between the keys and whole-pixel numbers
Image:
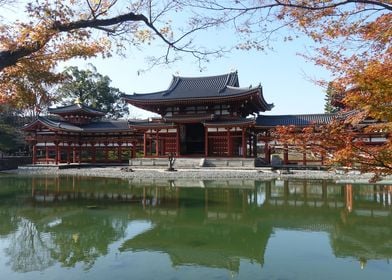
[
  {"x": 206, "y": 141},
  {"x": 133, "y": 151},
  {"x": 304, "y": 158},
  {"x": 267, "y": 154},
  {"x": 68, "y": 153},
  {"x": 106, "y": 151},
  {"x": 254, "y": 137},
  {"x": 229, "y": 141},
  {"x": 163, "y": 145},
  {"x": 93, "y": 153},
  {"x": 74, "y": 154},
  {"x": 157, "y": 144},
  {"x": 46, "y": 153},
  {"x": 285, "y": 154},
  {"x": 34, "y": 153},
  {"x": 244, "y": 142},
  {"x": 119, "y": 150},
  {"x": 80, "y": 153},
  {"x": 178, "y": 150},
  {"x": 145, "y": 145},
  {"x": 57, "y": 152}
]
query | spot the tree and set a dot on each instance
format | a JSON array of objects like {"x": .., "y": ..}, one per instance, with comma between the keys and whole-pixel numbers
[
  {"x": 353, "y": 41},
  {"x": 94, "y": 90},
  {"x": 60, "y": 30},
  {"x": 331, "y": 99}
]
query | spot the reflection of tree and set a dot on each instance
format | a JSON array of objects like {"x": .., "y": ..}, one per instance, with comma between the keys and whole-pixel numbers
[
  {"x": 78, "y": 240},
  {"x": 8, "y": 221},
  {"x": 36, "y": 243},
  {"x": 29, "y": 249}
]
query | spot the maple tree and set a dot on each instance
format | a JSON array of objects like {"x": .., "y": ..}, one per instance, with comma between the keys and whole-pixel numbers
[
  {"x": 353, "y": 41},
  {"x": 60, "y": 30}
]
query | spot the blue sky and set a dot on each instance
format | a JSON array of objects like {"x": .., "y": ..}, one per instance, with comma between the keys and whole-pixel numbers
[
  {"x": 286, "y": 78},
  {"x": 284, "y": 75}
]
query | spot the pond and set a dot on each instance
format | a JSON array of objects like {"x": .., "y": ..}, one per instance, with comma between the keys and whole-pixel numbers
[{"x": 99, "y": 228}]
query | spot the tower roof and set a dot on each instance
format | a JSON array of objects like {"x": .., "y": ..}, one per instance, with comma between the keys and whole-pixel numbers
[{"x": 76, "y": 109}]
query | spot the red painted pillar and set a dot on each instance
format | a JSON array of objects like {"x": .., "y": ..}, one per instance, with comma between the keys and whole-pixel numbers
[
  {"x": 145, "y": 144},
  {"x": 106, "y": 152},
  {"x": 157, "y": 144},
  {"x": 267, "y": 156},
  {"x": 178, "y": 151},
  {"x": 229, "y": 150},
  {"x": 68, "y": 153},
  {"x": 119, "y": 151},
  {"x": 34, "y": 153},
  {"x": 94, "y": 152},
  {"x": 206, "y": 141},
  {"x": 46, "y": 154},
  {"x": 244, "y": 142},
  {"x": 57, "y": 152},
  {"x": 80, "y": 153},
  {"x": 285, "y": 154},
  {"x": 74, "y": 154}
]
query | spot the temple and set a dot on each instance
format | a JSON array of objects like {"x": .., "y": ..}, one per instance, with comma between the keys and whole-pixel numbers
[
  {"x": 203, "y": 116},
  {"x": 76, "y": 134},
  {"x": 200, "y": 117}
]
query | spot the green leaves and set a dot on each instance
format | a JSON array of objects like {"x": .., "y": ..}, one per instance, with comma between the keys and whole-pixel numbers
[{"x": 94, "y": 90}]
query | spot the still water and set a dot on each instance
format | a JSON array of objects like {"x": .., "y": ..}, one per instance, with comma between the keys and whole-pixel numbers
[{"x": 95, "y": 228}]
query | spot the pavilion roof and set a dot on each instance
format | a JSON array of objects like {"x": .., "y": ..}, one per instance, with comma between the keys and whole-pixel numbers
[
  {"x": 197, "y": 89},
  {"x": 77, "y": 108},
  {"x": 296, "y": 120},
  {"x": 99, "y": 126}
]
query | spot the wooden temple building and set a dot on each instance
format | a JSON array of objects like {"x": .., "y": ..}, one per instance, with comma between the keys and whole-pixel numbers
[
  {"x": 203, "y": 116},
  {"x": 76, "y": 134},
  {"x": 206, "y": 117}
]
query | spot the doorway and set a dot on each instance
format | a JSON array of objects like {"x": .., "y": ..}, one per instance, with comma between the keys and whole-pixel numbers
[{"x": 193, "y": 143}]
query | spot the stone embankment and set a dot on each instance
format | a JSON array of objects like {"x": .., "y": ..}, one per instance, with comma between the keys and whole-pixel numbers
[{"x": 198, "y": 174}]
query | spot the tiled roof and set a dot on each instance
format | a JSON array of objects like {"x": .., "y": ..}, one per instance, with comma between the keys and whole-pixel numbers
[
  {"x": 297, "y": 120},
  {"x": 195, "y": 87},
  {"x": 76, "y": 108},
  {"x": 148, "y": 125},
  {"x": 99, "y": 126},
  {"x": 106, "y": 126},
  {"x": 57, "y": 125}
]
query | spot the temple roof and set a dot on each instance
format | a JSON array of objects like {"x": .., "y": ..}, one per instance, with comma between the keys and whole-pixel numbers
[
  {"x": 99, "y": 126},
  {"x": 196, "y": 89},
  {"x": 76, "y": 108},
  {"x": 297, "y": 120}
]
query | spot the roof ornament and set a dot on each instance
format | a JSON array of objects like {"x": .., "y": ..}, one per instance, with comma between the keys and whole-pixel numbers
[{"x": 78, "y": 101}]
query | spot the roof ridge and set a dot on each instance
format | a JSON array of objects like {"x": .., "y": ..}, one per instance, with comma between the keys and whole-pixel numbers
[{"x": 173, "y": 85}]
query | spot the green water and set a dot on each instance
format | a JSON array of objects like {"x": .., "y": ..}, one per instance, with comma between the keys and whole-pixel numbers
[{"x": 94, "y": 228}]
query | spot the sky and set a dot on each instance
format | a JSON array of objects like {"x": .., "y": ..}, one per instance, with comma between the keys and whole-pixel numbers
[{"x": 287, "y": 79}]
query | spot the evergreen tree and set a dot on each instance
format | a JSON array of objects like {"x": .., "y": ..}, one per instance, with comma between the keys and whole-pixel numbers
[
  {"x": 94, "y": 90},
  {"x": 330, "y": 97}
]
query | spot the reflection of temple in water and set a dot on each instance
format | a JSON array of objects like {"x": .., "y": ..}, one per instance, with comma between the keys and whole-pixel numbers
[{"x": 218, "y": 223}]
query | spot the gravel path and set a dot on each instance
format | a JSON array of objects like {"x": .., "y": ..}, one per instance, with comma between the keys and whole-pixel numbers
[{"x": 199, "y": 174}]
